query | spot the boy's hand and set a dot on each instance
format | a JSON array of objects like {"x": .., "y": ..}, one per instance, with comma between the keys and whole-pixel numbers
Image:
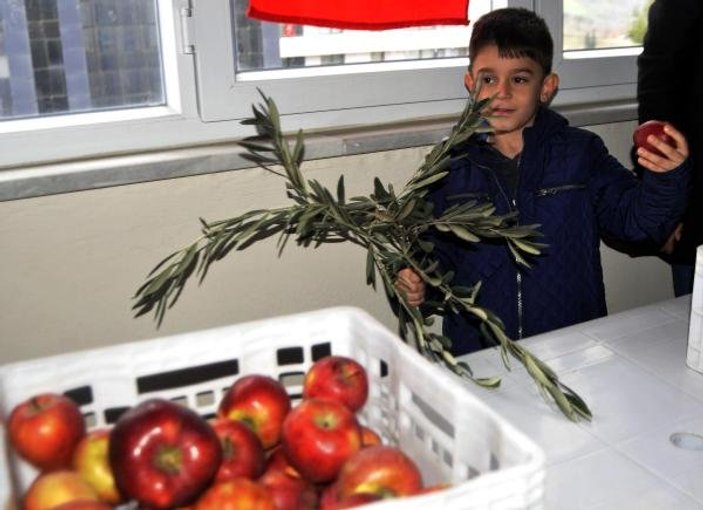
[
  {"x": 671, "y": 155},
  {"x": 411, "y": 285}
]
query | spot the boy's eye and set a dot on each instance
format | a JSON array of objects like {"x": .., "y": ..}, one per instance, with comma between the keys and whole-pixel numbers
[
  {"x": 488, "y": 79},
  {"x": 520, "y": 79}
]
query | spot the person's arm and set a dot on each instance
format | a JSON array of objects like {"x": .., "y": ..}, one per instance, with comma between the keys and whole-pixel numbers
[
  {"x": 666, "y": 68},
  {"x": 630, "y": 209}
]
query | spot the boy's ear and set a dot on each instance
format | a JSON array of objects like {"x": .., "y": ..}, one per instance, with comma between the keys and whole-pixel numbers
[
  {"x": 469, "y": 82},
  {"x": 550, "y": 86}
]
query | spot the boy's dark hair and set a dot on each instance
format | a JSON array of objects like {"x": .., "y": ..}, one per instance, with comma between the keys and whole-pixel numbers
[{"x": 517, "y": 33}]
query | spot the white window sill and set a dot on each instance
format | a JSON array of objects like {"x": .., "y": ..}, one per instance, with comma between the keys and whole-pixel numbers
[{"x": 97, "y": 173}]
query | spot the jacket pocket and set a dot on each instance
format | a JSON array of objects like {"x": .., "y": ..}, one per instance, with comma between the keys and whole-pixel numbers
[
  {"x": 555, "y": 190},
  {"x": 563, "y": 210}
]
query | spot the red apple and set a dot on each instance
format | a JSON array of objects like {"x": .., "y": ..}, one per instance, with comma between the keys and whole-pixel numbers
[
  {"x": 651, "y": 127},
  {"x": 163, "y": 454},
  {"x": 277, "y": 460},
  {"x": 90, "y": 460},
  {"x": 242, "y": 451},
  {"x": 433, "y": 488},
  {"x": 236, "y": 494},
  {"x": 337, "y": 378},
  {"x": 358, "y": 499},
  {"x": 289, "y": 490},
  {"x": 328, "y": 496},
  {"x": 319, "y": 436},
  {"x": 331, "y": 501},
  {"x": 369, "y": 437},
  {"x": 45, "y": 429},
  {"x": 382, "y": 470},
  {"x": 259, "y": 401},
  {"x": 83, "y": 504},
  {"x": 55, "y": 488}
]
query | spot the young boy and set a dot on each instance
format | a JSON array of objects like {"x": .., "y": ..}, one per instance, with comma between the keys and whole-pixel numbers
[{"x": 557, "y": 176}]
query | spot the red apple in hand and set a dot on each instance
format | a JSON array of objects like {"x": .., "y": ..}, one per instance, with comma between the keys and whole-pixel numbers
[
  {"x": 90, "y": 460},
  {"x": 242, "y": 452},
  {"x": 383, "y": 470},
  {"x": 319, "y": 436},
  {"x": 45, "y": 429},
  {"x": 163, "y": 454},
  {"x": 50, "y": 490},
  {"x": 651, "y": 127},
  {"x": 337, "y": 378},
  {"x": 259, "y": 401},
  {"x": 236, "y": 494}
]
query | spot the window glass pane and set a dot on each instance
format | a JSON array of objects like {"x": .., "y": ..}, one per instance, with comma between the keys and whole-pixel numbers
[
  {"x": 267, "y": 46},
  {"x": 68, "y": 56},
  {"x": 602, "y": 24}
]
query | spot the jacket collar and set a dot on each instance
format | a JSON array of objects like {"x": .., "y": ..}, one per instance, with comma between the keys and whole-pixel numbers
[{"x": 547, "y": 122}]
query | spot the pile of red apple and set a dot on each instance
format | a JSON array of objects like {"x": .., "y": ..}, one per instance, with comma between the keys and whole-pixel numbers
[{"x": 259, "y": 452}]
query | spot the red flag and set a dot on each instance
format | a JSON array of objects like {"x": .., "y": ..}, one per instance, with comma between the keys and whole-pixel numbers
[{"x": 362, "y": 14}]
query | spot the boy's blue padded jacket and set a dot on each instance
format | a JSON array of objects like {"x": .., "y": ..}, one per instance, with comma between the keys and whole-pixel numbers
[{"x": 577, "y": 192}]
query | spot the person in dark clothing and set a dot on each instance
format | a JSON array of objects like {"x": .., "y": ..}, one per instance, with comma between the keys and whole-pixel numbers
[
  {"x": 554, "y": 175},
  {"x": 669, "y": 85}
]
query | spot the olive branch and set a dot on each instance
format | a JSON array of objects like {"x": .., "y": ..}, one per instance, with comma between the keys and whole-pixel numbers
[{"x": 391, "y": 226}]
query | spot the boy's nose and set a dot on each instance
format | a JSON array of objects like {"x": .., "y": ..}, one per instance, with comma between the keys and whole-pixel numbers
[{"x": 504, "y": 89}]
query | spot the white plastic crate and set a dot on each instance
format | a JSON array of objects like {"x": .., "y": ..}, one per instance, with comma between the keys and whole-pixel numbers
[
  {"x": 453, "y": 436},
  {"x": 694, "y": 356}
]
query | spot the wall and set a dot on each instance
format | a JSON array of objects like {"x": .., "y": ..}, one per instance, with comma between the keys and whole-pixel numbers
[{"x": 70, "y": 263}]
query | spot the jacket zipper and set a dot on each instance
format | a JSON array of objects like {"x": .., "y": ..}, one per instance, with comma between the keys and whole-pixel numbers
[
  {"x": 518, "y": 274},
  {"x": 512, "y": 204},
  {"x": 519, "y": 293}
]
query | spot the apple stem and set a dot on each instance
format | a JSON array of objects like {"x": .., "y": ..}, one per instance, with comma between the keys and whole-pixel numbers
[
  {"x": 227, "y": 448},
  {"x": 36, "y": 404},
  {"x": 169, "y": 459}
]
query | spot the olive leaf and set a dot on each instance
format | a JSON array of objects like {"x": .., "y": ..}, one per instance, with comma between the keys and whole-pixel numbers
[{"x": 391, "y": 226}]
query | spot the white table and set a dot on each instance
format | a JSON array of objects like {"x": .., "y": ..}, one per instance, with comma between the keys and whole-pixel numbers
[{"x": 631, "y": 369}]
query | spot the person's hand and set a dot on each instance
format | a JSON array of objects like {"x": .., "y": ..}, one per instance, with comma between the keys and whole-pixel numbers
[
  {"x": 411, "y": 286},
  {"x": 671, "y": 155},
  {"x": 674, "y": 237}
]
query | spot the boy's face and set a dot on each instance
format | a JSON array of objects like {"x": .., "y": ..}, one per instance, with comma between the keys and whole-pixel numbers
[{"x": 518, "y": 84}]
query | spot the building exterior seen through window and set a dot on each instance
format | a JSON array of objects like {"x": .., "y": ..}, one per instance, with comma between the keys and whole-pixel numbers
[
  {"x": 71, "y": 56},
  {"x": 587, "y": 25},
  {"x": 267, "y": 46},
  {"x": 604, "y": 24}
]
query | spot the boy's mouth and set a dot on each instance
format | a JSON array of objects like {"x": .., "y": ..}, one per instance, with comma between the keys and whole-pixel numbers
[{"x": 501, "y": 112}]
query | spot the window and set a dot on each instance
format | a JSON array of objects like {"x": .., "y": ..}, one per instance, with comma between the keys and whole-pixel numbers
[
  {"x": 69, "y": 57},
  {"x": 596, "y": 43},
  {"x": 82, "y": 78},
  {"x": 332, "y": 77},
  {"x": 589, "y": 25}
]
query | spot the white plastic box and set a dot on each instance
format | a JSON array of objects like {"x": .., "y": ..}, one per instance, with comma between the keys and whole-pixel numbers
[
  {"x": 423, "y": 408},
  {"x": 694, "y": 356}
]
